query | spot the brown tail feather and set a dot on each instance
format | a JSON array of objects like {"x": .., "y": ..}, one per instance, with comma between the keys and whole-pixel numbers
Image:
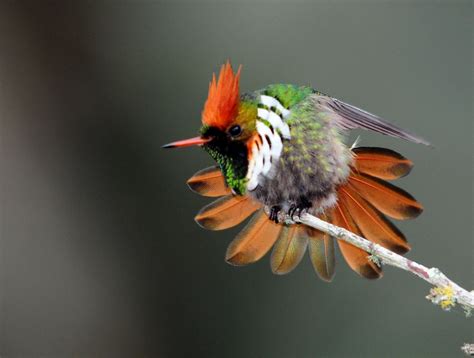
[
  {"x": 364, "y": 200},
  {"x": 254, "y": 241},
  {"x": 321, "y": 252},
  {"x": 381, "y": 163},
  {"x": 387, "y": 198},
  {"x": 226, "y": 212},
  {"x": 288, "y": 249},
  {"x": 373, "y": 225},
  {"x": 356, "y": 258},
  {"x": 209, "y": 182}
]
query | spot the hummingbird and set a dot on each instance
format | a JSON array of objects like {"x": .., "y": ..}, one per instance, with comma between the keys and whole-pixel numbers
[{"x": 280, "y": 151}]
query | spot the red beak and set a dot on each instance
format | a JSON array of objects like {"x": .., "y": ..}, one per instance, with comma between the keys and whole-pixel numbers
[{"x": 187, "y": 142}]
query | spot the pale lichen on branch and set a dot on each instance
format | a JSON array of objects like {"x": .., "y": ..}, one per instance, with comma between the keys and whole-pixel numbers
[{"x": 445, "y": 293}]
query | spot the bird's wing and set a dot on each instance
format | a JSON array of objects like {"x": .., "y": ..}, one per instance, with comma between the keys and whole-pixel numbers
[{"x": 351, "y": 117}]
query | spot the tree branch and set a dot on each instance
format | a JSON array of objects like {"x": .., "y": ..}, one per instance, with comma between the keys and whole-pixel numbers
[{"x": 446, "y": 293}]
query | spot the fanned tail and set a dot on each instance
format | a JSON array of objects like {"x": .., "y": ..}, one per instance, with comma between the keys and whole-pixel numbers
[{"x": 365, "y": 199}]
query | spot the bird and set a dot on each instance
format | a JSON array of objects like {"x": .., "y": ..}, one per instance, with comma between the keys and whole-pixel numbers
[{"x": 281, "y": 151}]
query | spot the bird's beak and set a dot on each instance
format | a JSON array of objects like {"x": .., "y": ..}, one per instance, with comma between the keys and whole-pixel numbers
[{"x": 187, "y": 142}]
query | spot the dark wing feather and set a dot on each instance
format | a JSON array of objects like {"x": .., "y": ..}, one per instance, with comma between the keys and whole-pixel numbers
[{"x": 351, "y": 117}]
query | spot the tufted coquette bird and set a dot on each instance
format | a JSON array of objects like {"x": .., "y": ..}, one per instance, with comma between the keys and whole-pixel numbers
[{"x": 280, "y": 152}]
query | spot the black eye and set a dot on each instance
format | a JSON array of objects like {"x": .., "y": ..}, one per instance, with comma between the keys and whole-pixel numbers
[{"x": 235, "y": 130}]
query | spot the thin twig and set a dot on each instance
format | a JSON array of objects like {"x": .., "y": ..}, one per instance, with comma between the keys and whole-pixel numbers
[{"x": 445, "y": 293}]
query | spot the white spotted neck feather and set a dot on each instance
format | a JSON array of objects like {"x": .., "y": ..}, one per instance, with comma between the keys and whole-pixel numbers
[{"x": 267, "y": 144}]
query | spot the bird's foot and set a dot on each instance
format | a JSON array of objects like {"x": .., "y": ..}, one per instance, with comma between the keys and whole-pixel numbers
[
  {"x": 293, "y": 214},
  {"x": 297, "y": 210},
  {"x": 274, "y": 211}
]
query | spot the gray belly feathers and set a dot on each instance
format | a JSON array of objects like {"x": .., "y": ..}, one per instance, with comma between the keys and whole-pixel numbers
[{"x": 313, "y": 161}]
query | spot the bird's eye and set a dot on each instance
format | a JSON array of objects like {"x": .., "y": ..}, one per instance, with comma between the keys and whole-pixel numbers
[{"x": 235, "y": 130}]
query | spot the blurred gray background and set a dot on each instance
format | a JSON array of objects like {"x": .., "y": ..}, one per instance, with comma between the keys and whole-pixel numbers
[{"x": 100, "y": 254}]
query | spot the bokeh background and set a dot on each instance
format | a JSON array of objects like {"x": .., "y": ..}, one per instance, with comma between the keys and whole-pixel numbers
[{"x": 99, "y": 251}]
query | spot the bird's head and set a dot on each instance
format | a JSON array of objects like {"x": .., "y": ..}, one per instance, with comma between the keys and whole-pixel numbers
[{"x": 228, "y": 124}]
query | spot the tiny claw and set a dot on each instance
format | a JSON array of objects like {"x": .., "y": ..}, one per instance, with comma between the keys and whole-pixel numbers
[
  {"x": 296, "y": 211},
  {"x": 292, "y": 210},
  {"x": 274, "y": 213},
  {"x": 296, "y": 214}
]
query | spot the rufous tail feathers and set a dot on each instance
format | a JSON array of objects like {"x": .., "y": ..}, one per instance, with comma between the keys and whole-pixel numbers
[{"x": 364, "y": 202}]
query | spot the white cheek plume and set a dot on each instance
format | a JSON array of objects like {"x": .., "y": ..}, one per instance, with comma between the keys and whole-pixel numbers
[{"x": 266, "y": 156}]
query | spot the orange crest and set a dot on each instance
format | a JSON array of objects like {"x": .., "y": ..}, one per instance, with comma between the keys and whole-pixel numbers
[{"x": 222, "y": 104}]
